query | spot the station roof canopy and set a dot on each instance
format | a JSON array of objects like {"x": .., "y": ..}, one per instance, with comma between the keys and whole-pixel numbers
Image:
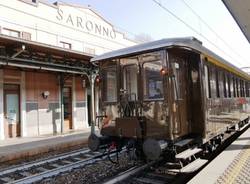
[
  {"x": 30, "y": 54},
  {"x": 240, "y": 10}
]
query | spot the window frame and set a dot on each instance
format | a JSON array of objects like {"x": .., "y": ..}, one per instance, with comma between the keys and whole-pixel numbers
[
  {"x": 63, "y": 43},
  {"x": 10, "y": 31},
  {"x": 104, "y": 87},
  {"x": 124, "y": 80},
  {"x": 143, "y": 74},
  {"x": 207, "y": 80},
  {"x": 229, "y": 80}
]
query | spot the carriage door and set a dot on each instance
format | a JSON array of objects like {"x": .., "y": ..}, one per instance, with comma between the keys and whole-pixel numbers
[
  {"x": 179, "y": 96},
  {"x": 11, "y": 110}
]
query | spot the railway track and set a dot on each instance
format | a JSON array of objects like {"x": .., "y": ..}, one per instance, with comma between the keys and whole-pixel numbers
[
  {"x": 36, "y": 171},
  {"x": 144, "y": 174},
  {"x": 160, "y": 172},
  {"x": 153, "y": 172}
]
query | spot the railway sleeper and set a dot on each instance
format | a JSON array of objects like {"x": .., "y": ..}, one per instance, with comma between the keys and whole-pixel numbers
[{"x": 7, "y": 179}]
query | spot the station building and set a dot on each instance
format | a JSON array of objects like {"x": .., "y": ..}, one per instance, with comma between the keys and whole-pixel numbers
[{"x": 45, "y": 50}]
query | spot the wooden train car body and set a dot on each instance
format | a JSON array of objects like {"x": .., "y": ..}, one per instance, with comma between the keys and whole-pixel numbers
[{"x": 168, "y": 90}]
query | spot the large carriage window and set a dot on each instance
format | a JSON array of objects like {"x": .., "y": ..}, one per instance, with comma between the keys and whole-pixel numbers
[
  {"x": 110, "y": 85},
  {"x": 153, "y": 85},
  {"x": 153, "y": 80}
]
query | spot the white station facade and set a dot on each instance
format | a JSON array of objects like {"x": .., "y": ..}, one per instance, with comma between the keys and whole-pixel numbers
[{"x": 39, "y": 42}]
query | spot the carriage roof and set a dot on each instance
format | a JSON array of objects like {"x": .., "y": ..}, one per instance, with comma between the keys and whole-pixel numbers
[{"x": 186, "y": 42}]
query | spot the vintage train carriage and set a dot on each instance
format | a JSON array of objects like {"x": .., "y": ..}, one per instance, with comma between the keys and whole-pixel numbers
[{"x": 168, "y": 90}]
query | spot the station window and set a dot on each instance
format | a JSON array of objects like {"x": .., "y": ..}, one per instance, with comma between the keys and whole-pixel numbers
[
  {"x": 89, "y": 50},
  {"x": 11, "y": 32},
  {"x": 26, "y": 35},
  {"x": 65, "y": 45}
]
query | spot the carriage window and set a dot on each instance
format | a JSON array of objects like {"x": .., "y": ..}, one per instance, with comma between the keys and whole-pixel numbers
[
  {"x": 130, "y": 81},
  {"x": 230, "y": 86},
  {"x": 225, "y": 87},
  {"x": 221, "y": 85},
  {"x": 153, "y": 85},
  {"x": 234, "y": 86},
  {"x": 208, "y": 93},
  {"x": 217, "y": 83},
  {"x": 240, "y": 88},
  {"x": 153, "y": 81},
  {"x": 243, "y": 88},
  {"x": 247, "y": 89},
  {"x": 237, "y": 88},
  {"x": 212, "y": 81},
  {"x": 110, "y": 85}
]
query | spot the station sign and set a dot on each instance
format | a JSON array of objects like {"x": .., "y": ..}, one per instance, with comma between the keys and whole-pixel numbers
[{"x": 80, "y": 21}]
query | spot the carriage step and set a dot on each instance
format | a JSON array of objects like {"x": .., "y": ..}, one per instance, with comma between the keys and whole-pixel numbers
[
  {"x": 183, "y": 142},
  {"x": 243, "y": 127},
  {"x": 148, "y": 180},
  {"x": 188, "y": 153},
  {"x": 173, "y": 165},
  {"x": 193, "y": 166}
]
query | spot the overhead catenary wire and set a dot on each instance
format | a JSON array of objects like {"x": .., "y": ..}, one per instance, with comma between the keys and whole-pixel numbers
[
  {"x": 210, "y": 28},
  {"x": 193, "y": 29}
]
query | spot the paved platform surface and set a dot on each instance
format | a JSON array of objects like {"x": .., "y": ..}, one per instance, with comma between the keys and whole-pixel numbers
[
  {"x": 15, "y": 148},
  {"x": 231, "y": 166}
]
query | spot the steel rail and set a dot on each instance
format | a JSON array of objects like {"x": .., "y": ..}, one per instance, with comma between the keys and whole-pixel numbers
[
  {"x": 29, "y": 165},
  {"x": 54, "y": 172},
  {"x": 132, "y": 171}
]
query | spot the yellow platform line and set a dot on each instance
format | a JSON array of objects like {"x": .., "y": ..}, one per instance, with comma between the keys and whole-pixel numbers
[{"x": 235, "y": 168}]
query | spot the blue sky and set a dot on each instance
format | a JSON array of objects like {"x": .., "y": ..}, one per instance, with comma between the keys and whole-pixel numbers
[{"x": 145, "y": 16}]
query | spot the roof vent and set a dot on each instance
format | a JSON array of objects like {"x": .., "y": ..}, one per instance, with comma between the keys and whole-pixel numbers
[{"x": 196, "y": 40}]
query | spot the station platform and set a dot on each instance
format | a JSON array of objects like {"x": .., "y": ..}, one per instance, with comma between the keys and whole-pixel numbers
[
  {"x": 21, "y": 148},
  {"x": 231, "y": 166}
]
